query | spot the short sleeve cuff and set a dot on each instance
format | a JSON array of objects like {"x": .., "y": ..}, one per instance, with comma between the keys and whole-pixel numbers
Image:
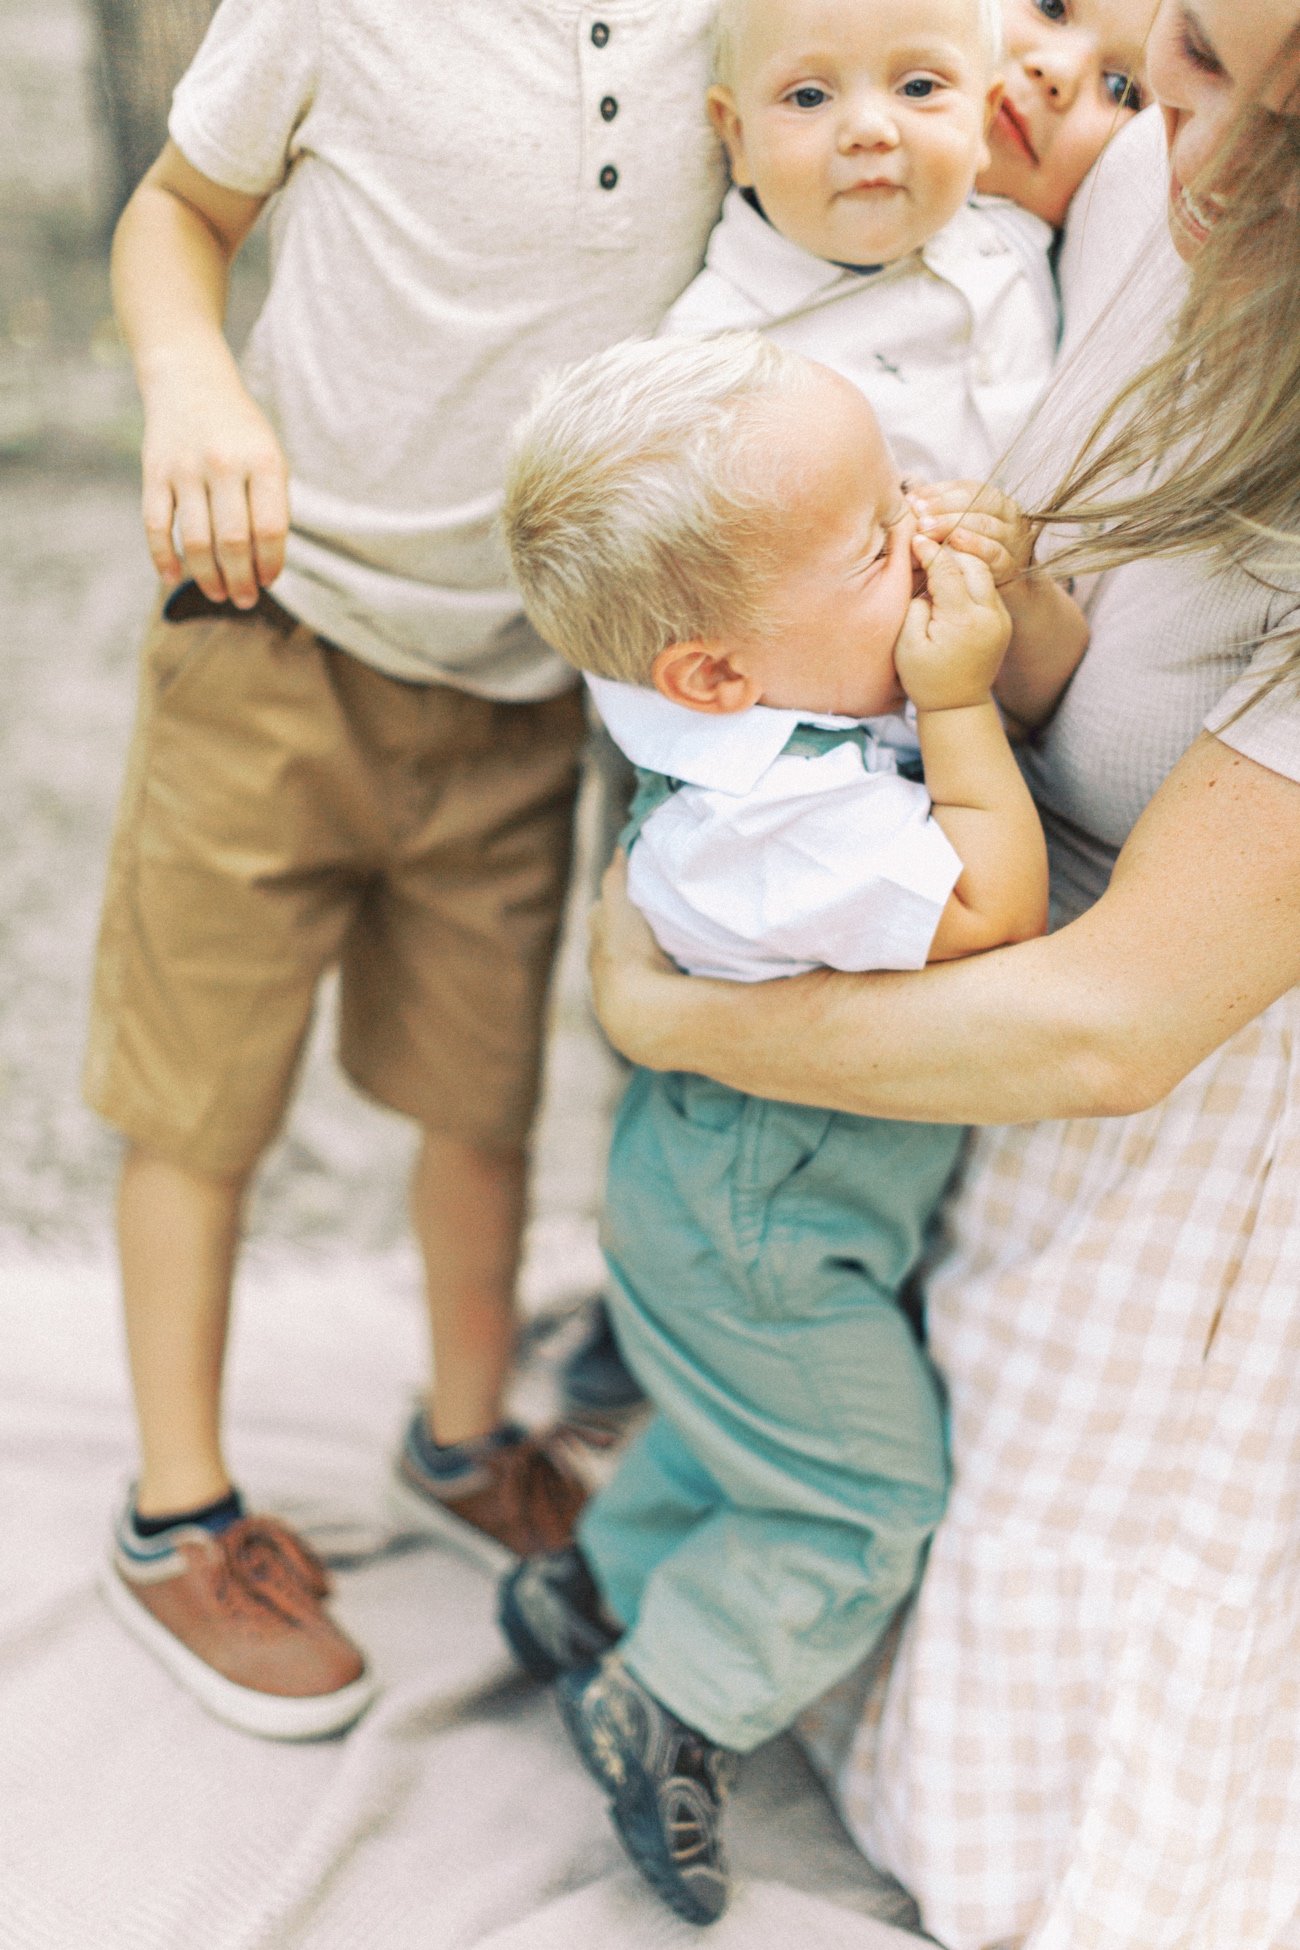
[
  {"x": 238, "y": 107},
  {"x": 892, "y": 919},
  {"x": 1260, "y": 716},
  {"x": 208, "y": 156}
]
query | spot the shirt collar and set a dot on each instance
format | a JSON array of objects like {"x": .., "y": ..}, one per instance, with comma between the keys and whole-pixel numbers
[
  {"x": 776, "y": 275},
  {"x": 987, "y": 242},
  {"x": 724, "y": 753},
  {"x": 780, "y": 277}
]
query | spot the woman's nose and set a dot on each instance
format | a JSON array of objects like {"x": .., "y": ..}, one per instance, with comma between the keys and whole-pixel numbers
[{"x": 1058, "y": 71}]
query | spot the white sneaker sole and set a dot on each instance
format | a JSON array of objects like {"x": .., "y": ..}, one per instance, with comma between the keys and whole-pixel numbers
[
  {"x": 271, "y": 1715},
  {"x": 413, "y": 1513}
]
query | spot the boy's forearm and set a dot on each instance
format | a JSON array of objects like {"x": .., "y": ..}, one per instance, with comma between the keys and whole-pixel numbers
[
  {"x": 983, "y": 805},
  {"x": 170, "y": 278},
  {"x": 215, "y": 482},
  {"x": 1049, "y": 636}
]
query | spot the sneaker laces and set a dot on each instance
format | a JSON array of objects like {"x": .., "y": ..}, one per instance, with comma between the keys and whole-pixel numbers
[
  {"x": 699, "y": 1786},
  {"x": 689, "y": 1838},
  {"x": 274, "y": 1568},
  {"x": 702, "y": 1760},
  {"x": 542, "y": 1485},
  {"x": 568, "y": 1447}
]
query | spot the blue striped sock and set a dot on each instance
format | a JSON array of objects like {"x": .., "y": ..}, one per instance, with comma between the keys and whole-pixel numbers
[
  {"x": 445, "y": 1462},
  {"x": 215, "y": 1517}
]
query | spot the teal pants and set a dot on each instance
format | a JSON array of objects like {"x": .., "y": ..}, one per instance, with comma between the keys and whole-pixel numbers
[{"x": 757, "y": 1538}]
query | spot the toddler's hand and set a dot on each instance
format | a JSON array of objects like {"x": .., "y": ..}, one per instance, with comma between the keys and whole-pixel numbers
[
  {"x": 979, "y": 520},
  {"x": 213, "y": 471},
  {"x": 956, "y": 633}
]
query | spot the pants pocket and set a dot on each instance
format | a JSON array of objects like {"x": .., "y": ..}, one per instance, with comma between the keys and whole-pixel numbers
[{"x": 777, "y": 1146}]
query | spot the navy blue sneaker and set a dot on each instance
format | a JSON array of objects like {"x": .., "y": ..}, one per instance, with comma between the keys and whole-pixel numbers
[
  {"x": 595, "y": 1383},
  {"x": 665, "y": 1783},
  {"x": 552, "y": 1616}
]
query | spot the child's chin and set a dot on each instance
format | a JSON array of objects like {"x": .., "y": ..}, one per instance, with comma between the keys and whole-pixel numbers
[
  {"x": 846, "y": 243},
  {"x": 875, "y": 246}
]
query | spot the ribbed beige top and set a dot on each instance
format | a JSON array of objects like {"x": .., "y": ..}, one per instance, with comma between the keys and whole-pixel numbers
[{"x": 1176, "y": 644}]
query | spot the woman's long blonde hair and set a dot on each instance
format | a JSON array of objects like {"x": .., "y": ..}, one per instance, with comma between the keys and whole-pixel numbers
[{"x": 1223, "y": 396}]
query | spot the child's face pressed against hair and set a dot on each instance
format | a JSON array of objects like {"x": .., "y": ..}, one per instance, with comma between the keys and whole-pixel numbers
[
  {"x": 859, "y": 124},
  {"x": 836, "y": 604},
  {"x": 1073, "y": 73}
]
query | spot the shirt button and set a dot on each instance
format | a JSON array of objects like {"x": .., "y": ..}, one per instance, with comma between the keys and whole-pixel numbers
[
  {"x": 608, "y": 177},
  {"x": 599, "y": 33},
  {"x": 608, "y": 109}
]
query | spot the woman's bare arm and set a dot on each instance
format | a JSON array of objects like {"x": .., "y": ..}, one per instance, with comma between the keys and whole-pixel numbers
[{"x": 1198, "y": 931}]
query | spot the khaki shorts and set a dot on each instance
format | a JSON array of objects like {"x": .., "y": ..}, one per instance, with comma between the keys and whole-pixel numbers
[{"x": 286, "y": 808}]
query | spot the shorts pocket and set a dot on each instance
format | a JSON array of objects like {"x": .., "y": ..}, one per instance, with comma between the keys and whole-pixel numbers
[{"x": 185, "y": 628}]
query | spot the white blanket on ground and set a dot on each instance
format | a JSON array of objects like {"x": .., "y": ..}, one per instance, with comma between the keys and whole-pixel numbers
[{"x": 452, "y": 1818}]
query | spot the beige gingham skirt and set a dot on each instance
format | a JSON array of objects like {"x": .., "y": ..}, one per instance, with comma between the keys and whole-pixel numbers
[{"x": 1087, "y": 1736}]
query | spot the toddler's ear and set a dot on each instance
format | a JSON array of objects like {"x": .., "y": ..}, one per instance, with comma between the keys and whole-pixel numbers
[
  {"x": 701, "y": 677},
  {"x": 725, "y": 118}
]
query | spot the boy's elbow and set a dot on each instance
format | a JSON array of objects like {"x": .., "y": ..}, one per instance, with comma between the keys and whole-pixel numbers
[
  {"x": 151, "y": 202},
  {"x": 967, "y": 931},
  {"x": 172, "y": 187},
  {"x": 1029, "y": 921}
]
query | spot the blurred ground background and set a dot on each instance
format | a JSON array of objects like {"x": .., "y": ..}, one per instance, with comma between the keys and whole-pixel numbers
[{"x": 75, "y": 584}]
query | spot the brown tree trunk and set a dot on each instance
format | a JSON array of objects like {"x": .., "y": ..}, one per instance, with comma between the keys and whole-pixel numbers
[{"x": 144, "y": 48}]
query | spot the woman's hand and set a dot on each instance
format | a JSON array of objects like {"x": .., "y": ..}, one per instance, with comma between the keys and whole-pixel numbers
[
  {"x": 635, "y": 988},
  {"x": 979, "y": 520}
]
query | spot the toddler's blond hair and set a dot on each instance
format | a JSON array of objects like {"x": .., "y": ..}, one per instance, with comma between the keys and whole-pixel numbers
[
  {"x": 639, "y": 511},
  {"x": 726, "y": 23}
]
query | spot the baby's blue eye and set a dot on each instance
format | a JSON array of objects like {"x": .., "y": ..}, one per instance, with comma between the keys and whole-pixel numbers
[
  {"x": 1123, "y": 90},
  {"x": 808, "y": 97},
  {"x": 919, "y": 88},
  {"x": 1051, "y": 9}
]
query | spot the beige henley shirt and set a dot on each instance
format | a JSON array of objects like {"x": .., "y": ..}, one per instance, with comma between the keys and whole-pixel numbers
[{"x": 470, "y": 194}]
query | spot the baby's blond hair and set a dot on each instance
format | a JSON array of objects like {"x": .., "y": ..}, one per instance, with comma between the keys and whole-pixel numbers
[
  {"x": 638, "y": 508},
  {"x": 725, "y": 36}
]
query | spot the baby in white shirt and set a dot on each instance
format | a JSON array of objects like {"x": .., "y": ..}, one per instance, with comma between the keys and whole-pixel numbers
[
  {"x": 716, "y": 532},
  {"x": 855, "y": 135}
]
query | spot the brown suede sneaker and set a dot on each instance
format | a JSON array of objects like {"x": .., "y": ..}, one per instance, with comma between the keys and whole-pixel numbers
[
  {"x": 522, "y": 1496},
  {"x": 237, "y": 1616}
]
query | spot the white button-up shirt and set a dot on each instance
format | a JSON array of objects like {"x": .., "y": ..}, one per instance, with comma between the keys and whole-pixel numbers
[
  {"x": 952, "y": 345},
  {"x": 765, "y": 864}
]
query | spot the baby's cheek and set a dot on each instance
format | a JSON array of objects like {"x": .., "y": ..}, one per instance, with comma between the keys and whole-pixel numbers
[
  {"x": 1077, "y": 148},
  {"x": 955, "y": 157}
]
